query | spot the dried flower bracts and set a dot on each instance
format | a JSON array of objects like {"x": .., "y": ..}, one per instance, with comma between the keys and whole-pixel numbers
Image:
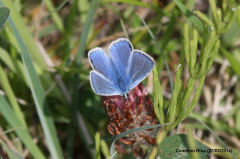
[{"x": 124, "y": 115}]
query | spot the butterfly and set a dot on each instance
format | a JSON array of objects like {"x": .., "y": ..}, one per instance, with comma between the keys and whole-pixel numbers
[{"x": 118, "y": 69}]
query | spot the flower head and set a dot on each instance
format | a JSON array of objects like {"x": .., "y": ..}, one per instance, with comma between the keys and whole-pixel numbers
[{"x": 135, "y": 112}]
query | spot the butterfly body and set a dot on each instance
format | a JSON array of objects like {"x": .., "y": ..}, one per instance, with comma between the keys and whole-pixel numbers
[{"x": 118, "y": 70}]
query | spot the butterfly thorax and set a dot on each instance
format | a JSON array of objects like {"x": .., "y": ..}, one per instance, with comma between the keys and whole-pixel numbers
[
  {"x": 125, "y": 95},
  {"x": 119, "y": 80},
  {"x": 121, "y": 83}
]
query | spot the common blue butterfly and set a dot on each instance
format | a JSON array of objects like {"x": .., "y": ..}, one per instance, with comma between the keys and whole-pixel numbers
[{"x": 119, "y": 69}]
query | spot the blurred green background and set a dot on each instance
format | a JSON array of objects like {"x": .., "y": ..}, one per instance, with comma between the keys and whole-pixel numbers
[{"x": 59, "y": 112}]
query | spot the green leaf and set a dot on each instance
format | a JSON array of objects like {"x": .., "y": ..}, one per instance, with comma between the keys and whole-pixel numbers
[
  {"x": 171, "y": 147},
  {"x": 11, "y": 96},
  {"x": 216, "y": 136},
  {"x": 134, "y": 2},
  {"x": 97, "y": 146},
  {"x": 4, "y": 14},
  {"x": 14, "y": 154},
  {"x": 138, "y": 3},
  {"x": 17, "y": 67},
  {"x": 25, "y": 34},
  {"x": 170, "y": 28},
  {"x": 158, "y": 98},
  {"x": 23, "y": 134},
  {"x": 82, "y": 129},
  {"x": 139, "y": 129},
  {"x": 57, "y": 20},
  {"x": 159, "y": 48},
  {"x": 53, "y": 11},
  {"x": 38, "y": 95},
  {"x": 124, "y": 29},
  {"x": 174, "y": 101},
  {"x": 105, "y": 150},
  {"x": 86, "y": 28},
  {"x": 231, "y": 36},
  {"x": 189, "y": 14},
  {"x": 233, "y": 61},
  {"x": 14, "y": 64}
]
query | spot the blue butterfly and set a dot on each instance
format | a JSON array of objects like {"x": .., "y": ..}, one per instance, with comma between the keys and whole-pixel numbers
[{"x": 119, "y": 69}]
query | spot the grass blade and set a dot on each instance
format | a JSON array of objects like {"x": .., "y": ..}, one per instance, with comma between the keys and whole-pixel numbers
[
  {"x": 6, "y": 86},
  {"x": 14, "y": 64},
  {"x": 53, "y": 11},
  {"x": 219, "y": 140},
  {"x": 232, "y": 60},
  {"x": 25, "y": 34},
  {"x": 76, "y": 116},
  {"x": 17, "y": 67},
  {"x": 165, "y": 61},
  {"x": 152, "y": 6},
  {"x": 158, "y": 98},
  {"x": 170, "y": 28},
  {"x": 139, "y": 129},
  {"x": 4, "y": 14},
  {"x": 39, "y": 97},
  {"x": 86, "y": 29},
  {"x": 124, "y": 29},
  {"x": 134, "y": 2},
  {"x": 97, "y": 146},
  {"x": 23, "y": 134},
  {"x": 189, "y": 14},
  {"x": 55, "y": 16}
]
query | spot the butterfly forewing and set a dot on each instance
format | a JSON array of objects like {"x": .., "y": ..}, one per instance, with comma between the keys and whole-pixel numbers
[
  {"x": 141, "y": 65},
  {"x": 100, "y": 62},
  {"x": 120, "y": 53}
]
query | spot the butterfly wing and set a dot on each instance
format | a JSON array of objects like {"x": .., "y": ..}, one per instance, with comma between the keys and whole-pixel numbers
[
  {"x": 100, "y": 62},
  {"x": 101, "y": 85},
  {"x": 120, "y": 53},
  {"x": 141, "y": 65}
]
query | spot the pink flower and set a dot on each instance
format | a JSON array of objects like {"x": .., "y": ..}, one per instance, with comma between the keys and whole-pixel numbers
[{"x": 135, "y": 112}]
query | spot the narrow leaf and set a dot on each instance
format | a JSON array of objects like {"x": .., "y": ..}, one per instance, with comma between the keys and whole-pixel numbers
[
  {"x": 158, "y": 98},
  {"x": 134, "y": 2},
  {"x": 23, "y": 134},
  {"x": 10, "y": 94},
  {"x": 97, "y": 146},
  {"x": 233, "y": 61},
  {"x": 24, "y": 32},
  {"x": 218, "y": 138},
  {"x": 189, "y": 14},
  {"x": 57, "y": 20},
  {"x": 159, "y": 48},
  {"x": 4, "y": 14},
  {"x": 39, "y": 97},
  {"x": 82, "y": 129}
]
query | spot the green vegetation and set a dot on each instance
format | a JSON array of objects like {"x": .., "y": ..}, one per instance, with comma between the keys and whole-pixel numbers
[{"x": 47, "y": 106}]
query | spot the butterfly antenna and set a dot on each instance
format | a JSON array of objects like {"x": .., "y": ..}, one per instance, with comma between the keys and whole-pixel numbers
[{"x": 116, "y": 109}]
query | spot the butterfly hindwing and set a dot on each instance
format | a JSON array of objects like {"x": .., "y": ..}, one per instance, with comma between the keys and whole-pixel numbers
[
  {"x": 101, "y": 85},
  {"x": 100, "y": 62}
]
